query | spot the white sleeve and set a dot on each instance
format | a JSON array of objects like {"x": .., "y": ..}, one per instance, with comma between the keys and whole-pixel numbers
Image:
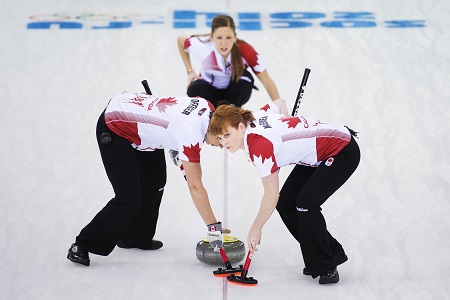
[{"x": 190, "y": 142}]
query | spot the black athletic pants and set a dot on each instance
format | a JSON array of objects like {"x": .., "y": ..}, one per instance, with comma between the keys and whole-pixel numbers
[
  {"x": 304, "y": 191},
  {"x": 237, "y": 93},
  {"x": 138, "y": 179}
]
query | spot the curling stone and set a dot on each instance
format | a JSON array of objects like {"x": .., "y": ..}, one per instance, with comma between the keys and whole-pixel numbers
[{"x": 234, "y": 249}]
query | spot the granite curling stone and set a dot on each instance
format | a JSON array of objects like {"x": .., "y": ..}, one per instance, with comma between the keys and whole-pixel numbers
[{"x": 234, "y": 249}]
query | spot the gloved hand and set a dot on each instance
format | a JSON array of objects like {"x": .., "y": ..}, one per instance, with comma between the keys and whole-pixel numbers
[
  {"x": 176, "y": 160},
  {"x": 174, "y": 156},
  {"x": 215, "y": 236}
]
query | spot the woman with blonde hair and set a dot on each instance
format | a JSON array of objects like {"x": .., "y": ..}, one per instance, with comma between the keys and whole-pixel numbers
[{"x": 224, "y": 61}]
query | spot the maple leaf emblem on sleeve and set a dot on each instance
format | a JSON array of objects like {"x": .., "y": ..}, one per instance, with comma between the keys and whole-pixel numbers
[
  {"x": 192, "y": 152},
  {"x": 265, "y": 107},
  {"x": 164, "y": 103},
  {"x": 187, "y": 43},
  {"x": 291, "y": 121}
]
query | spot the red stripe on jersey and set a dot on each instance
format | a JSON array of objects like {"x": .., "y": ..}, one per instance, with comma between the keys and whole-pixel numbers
[
  {"x": 127, "y": 130},
  {"x": 327, "y": 146},
  {"x": 297, "y": 135},
  {"x": 125, "y": 124},
  {"x": 116, "y": 116}
]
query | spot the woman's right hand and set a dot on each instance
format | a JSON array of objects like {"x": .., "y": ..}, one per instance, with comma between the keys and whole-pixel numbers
[{"x": 253, "y": 239}]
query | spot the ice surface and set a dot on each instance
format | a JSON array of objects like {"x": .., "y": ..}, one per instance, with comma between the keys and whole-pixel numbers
[{"x": 391, "y": 84}]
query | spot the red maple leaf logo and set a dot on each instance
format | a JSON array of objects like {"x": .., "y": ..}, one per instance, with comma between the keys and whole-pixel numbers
[
  {"x": 187, "y": 43},
  {"x": 192, "y": 152},
  {"x": 164, "y": 103},
  {"x": 291, "y": 121},
  {"x": 263, "y": 148},
  {"x": 265, "y": 107}
]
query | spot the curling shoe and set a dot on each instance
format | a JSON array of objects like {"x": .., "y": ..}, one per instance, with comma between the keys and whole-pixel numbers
[
  {"x": 78, "y": 255},
  {"x": 330, "y": 277},
  {"x": 155, "y": 245},
  {"x": 339, "y": 261}
]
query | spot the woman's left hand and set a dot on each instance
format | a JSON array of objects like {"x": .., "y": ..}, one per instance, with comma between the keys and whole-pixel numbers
[{"x": 192, "y": 76}]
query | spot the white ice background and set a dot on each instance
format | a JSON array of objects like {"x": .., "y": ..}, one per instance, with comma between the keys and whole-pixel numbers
[{"x": 390, "y": 84}]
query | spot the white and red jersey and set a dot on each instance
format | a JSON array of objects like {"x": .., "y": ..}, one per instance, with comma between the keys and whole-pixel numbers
[
  {"x": 274, "y": 140},
  {"x": 150, "y": 122},
  {"x": 215, "y": 69}
]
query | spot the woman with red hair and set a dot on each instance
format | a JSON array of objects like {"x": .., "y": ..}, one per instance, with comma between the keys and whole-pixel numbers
[{"x": 324, "y": 155}]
